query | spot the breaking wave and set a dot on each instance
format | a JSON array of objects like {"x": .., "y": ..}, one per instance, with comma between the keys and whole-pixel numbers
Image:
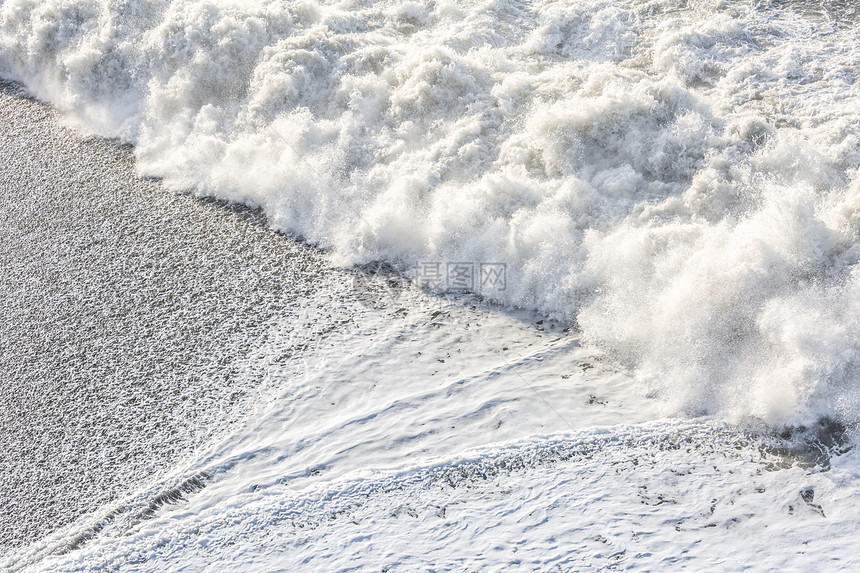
[{"x": 680, "y": 177}]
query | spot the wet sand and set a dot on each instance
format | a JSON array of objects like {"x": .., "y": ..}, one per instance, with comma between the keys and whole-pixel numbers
[{"x": 125, "y": 311}]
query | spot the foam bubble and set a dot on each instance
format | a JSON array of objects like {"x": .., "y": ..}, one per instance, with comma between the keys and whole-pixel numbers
[{"x": 680, "y": 178}]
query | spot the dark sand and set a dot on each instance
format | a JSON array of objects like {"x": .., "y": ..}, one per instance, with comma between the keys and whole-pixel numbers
[{"x": 123, "y": 311}]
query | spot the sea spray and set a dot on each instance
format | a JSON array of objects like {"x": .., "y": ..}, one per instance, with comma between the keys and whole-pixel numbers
[{"x": 679, "y": 177}]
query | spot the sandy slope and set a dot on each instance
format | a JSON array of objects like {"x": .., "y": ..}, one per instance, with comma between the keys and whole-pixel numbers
[{"x": 123, "y": 310}]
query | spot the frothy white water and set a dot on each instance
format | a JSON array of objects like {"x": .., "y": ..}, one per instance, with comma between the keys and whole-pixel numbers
[{"x": 679, "y": 177}]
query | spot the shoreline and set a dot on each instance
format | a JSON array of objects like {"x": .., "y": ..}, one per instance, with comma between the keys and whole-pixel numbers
[
  {"x": 125, "y": 308},
  {"x": 177, "y": 367}
]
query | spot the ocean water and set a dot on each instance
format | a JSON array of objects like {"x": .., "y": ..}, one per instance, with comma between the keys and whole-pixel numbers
[
  {"x": 678, "y": 178},
  {"x": 673, "y": 187}
]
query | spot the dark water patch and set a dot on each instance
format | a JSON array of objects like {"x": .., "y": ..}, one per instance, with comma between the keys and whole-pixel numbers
[{"x": 811, "y": 446}]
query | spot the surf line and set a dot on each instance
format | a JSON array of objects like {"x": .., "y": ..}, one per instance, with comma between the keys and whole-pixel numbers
[{"x": 373, "y": 230}]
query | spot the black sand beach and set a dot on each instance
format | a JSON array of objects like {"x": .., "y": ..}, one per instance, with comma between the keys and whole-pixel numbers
[{"x": 124, "y": 310}]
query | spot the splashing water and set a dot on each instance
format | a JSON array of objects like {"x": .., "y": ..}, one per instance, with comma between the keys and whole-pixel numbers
[{"x": 680, "y": 177}]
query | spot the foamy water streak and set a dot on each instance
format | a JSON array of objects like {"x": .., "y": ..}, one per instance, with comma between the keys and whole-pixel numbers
[{"x": 679, "y": 176}]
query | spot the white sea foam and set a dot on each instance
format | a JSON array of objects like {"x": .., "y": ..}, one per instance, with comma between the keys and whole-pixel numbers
[{"x": 680, "y": 177}]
